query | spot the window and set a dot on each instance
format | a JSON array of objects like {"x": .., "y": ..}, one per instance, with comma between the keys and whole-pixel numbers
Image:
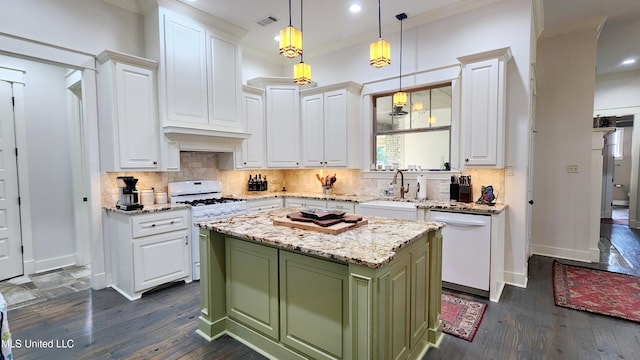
[
  {"x": 418, "y": 134},
  {"x": 618, "y": 143}
]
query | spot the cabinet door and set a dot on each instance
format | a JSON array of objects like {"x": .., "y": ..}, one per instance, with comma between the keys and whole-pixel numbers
[
  {"x": 394, "y": 295},
  {"x": 252, "y": 285},
  {"x": 225, "y": 82},
  {"x": 283, "y": 126},
  {"x": 185, "y": 70},
  {"x": 139, "y": 142},
  {"x": 335, "y": 128},
  {"x": 254, "y": 147},
  {"x": 420, "y": 293},
  {"x": 312, "y": 123},
  {"x": 309, "y": 203},
  {"x": 160, "y": 259},
  {"x": 341, "y": 205},
  {"x": 480, "y": 113},
  {"x": 314, "y": 311},
  {"x": 254, "y": 206}
]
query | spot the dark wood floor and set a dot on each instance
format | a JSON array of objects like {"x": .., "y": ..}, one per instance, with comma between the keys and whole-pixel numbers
[{"x": 525, "y": 324}]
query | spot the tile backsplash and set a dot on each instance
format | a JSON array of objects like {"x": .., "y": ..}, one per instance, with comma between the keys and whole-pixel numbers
[{"x": 204, "y": 165}]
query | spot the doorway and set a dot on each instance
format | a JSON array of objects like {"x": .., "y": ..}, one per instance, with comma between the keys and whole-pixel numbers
[
  {"x": 11, "y": 260},
  {"x": 619, "y": 243}
]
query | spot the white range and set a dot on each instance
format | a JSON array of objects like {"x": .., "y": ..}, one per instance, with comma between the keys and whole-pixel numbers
[{"x": 207, "y": 203}]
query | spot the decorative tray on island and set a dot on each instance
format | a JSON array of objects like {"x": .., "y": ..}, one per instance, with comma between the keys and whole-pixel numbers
[{"x": 321, "y": 214}]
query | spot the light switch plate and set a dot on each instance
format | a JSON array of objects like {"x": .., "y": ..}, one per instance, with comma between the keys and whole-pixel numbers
[{"x": 444, "y": 187}]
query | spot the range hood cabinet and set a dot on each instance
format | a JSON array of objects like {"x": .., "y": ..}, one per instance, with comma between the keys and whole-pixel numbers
[{"x": 191, "y": 139}]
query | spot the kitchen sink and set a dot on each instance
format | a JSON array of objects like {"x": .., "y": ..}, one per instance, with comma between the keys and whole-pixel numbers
[{"x": 388, "y": 208}]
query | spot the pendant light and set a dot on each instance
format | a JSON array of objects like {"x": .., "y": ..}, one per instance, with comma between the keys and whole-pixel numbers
[
  {"x": 379, "y": 51},
  {"x": 301, "y": 71},
  {"x": 400, "y": 97},
  {"x": 290, "y": 40}
]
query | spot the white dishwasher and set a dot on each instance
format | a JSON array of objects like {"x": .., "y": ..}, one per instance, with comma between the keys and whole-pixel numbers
[{"x": 466, "y": 251}]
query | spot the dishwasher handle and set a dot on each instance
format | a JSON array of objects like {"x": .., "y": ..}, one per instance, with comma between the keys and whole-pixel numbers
[{"x": 459, "y": 222}]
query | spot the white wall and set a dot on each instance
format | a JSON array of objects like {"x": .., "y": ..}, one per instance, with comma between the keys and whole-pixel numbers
[
  {"x": 438, "y": 44},
  {"x": 89, "y": 26},
  {"x": 618, "y": 91},
  {"x": 257, "y": 65},
  {"x": 566, "y": 85},
  {"x": 48, "y": 151}
]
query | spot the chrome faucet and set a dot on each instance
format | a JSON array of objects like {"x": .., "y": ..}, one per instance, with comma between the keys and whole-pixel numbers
[{"x": 395, "y": 180}]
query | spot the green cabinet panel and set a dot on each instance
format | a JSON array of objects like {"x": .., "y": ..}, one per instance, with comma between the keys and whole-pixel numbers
[
  {"x": 313, "y": 305},
  {"x": 420, "y": 293},
  {"x": 252, "y": 285},
  {"x": 393, "y": 295}
]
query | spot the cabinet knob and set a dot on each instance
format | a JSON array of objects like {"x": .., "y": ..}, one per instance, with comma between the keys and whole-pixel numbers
[
  {"x": 245, "y": 163},
  {"x": 186, "y": 240},
  {"x": 531, "y": 202},
  {"x": 466, "y": 160},
  {"x": 297, "y": 163},
  {"x": 153, "y": 225},
  {"x": 155, "y": 163}
]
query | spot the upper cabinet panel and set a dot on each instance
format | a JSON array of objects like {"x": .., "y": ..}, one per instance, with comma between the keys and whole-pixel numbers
[
  {"x": 185, "y": 63},
  {"x": 483, "y": 108}
]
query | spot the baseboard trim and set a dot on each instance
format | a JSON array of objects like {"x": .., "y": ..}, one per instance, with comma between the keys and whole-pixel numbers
[
  {"x": 562, "y": 253},
  {"x": 516, "y": 279},
  {"x": 54, "y": 263},
  {"x": 29, "y": 267},
  {"x": 99, "y": 281}
]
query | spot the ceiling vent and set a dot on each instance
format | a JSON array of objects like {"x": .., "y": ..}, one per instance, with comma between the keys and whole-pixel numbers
[{"x": 266, "y": 20}]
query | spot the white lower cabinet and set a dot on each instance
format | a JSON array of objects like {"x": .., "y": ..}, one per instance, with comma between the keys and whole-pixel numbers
[
  {"x": 346, "y": 206},
  {"x": 257, "y": 205},
  {"x": 148, "y": 250}
]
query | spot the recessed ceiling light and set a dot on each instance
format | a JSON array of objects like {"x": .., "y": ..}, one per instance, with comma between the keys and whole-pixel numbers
[
  {"x": 629, "y": 62},
  {"x": 276, "y": 38},
  {"x": 355, "y": 7}
]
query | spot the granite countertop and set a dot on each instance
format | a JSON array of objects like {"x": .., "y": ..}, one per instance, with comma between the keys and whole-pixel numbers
[
  {"x": 373, "y": 245},
  {"x": 320, "y": 196},
  {"x": 456, "y": 206},
  {"x": 147, "y": 209}
]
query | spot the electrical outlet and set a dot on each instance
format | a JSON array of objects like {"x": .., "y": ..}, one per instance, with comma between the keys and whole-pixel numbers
[
  {"x": 573, "y": 168},
  {"x": 444, "y": 187}
]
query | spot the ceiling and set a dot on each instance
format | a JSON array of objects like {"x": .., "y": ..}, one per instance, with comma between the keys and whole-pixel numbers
[{"x": 328, "y": 24}]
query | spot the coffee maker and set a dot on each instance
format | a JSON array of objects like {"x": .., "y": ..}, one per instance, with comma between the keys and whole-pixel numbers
[{"x": 128, "y": 193}]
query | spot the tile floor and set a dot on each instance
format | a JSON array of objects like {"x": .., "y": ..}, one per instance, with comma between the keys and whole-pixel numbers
[{"x": 31, "y": 289}]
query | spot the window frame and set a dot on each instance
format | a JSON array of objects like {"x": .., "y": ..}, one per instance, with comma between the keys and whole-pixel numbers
[{"x": 374, "y": 118}]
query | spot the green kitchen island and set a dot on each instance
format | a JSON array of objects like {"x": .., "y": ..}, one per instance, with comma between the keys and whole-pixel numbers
[{"x": 372, "y": 292}]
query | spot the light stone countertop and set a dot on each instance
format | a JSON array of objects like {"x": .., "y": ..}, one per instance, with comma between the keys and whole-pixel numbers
[
  {"x": 447, "y": 205},
  {"x": 454, "y": 206},
  {"x": 148, "y": 209},
  {"x": 373, "y": 245},
  {"x": 319, "y": 196}
]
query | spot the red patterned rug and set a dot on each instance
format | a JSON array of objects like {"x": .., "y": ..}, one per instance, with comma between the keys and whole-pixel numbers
[
  {"x": 461, "y": 317},
  {"x": 597, "y": 291}
]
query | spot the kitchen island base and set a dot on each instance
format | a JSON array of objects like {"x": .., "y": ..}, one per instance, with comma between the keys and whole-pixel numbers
[{"x": 289, "y": 305}]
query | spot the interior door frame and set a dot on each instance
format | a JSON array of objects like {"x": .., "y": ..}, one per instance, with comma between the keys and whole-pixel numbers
[
  {"x": 15, "y": 77},
  {"x": 86, "y": 64},
  {"x": 78, "y": 171}
]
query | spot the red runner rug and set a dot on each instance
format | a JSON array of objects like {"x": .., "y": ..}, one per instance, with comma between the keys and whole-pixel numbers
[
  {"x": 461, "y": 317},
  {"x": 597, "y": 291}
]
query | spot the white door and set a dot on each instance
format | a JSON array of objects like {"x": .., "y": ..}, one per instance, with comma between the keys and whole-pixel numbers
[{"x": 10, "y": 236}]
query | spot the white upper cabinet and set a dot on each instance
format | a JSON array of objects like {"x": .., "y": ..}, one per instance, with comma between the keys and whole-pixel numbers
[
  {"x": 199, "y": 74},
  {"x": 225, "y": 82},
  {"x": 128, "y": 120},
  {"x": 283, "y": 126},
  {"x": 331, "y": 126},
  {"x": 483, "y": 108},
  {"x": 185, "y": 66},
  {"x": 254, "y": 148}
]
